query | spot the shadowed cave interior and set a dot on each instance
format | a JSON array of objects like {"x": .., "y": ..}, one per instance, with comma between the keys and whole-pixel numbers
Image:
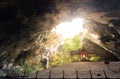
[{"x": 27, "y": 40}]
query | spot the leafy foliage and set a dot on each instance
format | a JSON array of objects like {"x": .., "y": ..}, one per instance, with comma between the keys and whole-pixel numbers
[
  {"x": 72, "y": 44},
  {"x": 27, "y": 68},
  {"x": 94, "y": 58},
  {"x": 58, "y": 59},
  {"x": 75, "y": 59},
  {"x": 63, "y": 56},
  {"x": 55, "y": 60}
]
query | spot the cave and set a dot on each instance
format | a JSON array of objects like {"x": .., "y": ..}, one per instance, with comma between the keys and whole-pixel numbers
[{"x": 31, "y": 32}]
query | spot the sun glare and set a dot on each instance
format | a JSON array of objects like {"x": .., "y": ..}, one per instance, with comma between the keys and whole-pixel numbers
[{"x": 69, "y": 29}]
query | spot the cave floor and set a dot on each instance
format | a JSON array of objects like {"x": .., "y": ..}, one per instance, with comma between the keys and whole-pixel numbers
[{"x": 89, "y": 70}]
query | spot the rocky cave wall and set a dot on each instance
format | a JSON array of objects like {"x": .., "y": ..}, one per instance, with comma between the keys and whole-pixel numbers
[{"x": 24, "y": 24}]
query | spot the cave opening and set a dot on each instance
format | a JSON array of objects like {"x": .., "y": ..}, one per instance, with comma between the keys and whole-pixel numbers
[{"x": 39, "y": 34}]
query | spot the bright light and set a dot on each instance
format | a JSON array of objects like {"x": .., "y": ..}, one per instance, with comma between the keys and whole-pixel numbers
[{"x": 69, "y": 29}]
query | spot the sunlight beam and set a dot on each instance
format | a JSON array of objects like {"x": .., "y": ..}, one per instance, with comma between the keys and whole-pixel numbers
[{"x": 69, "y": 29}]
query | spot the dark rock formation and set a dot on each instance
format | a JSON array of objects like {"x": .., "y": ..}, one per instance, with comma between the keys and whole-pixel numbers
[
  {"x": 103, "y": 53},
  {"x": 23, "y": 21}
]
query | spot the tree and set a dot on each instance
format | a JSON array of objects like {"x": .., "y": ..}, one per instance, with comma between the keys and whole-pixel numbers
[{"x": 72, "y": 44}]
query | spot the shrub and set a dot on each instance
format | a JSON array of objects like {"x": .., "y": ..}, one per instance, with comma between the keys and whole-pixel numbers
[
  {"x": 94, "y": 58},
  {"x": 75, "y": 59},
  {"x": 27, "y": 68}
]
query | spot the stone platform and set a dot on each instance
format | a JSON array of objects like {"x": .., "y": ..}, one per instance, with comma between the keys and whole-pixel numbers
[{"x": 80, "y": 70}]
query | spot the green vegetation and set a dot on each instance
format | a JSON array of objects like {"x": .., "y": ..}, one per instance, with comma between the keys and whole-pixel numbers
[
  {"x": 27, "y": 68},
  {"x": 63, "y": 56},
  {"x": 72, "y": 44},
  {"x": 75, "y": 59},
  {"x": 110, "y": 25},
  {"x": 58, "y": 59},
  {"x": 94, "y": 58}
]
